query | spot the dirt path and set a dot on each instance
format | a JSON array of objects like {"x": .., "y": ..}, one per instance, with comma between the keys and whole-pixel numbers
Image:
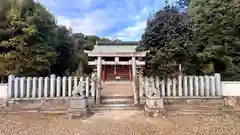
[{"x": 118, "y": 123}]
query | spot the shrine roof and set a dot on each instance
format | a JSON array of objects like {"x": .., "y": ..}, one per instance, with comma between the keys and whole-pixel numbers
[{"x": 111, "y": 47}]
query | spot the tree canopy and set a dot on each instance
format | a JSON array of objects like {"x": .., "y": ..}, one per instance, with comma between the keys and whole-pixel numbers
[
  {"x": 32, "y": 44},
  {"x": 204, "y": 39},
  {"x": 166, "y": 36},
  {"x": 216, "y": 29}
]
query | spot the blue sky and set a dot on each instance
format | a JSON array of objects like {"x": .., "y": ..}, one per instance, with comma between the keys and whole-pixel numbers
[{"x": 122, "y": 19}]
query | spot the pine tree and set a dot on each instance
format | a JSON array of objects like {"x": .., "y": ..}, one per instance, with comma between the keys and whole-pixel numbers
[
  {"x": 216, "y": 29},
  {"x": 166, "y": 37}
]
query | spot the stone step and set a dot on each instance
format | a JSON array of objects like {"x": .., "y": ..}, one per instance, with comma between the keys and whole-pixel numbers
[
  {"x": 117, "y": 97},
  {"x": 108, "y": 107},
  {"x": 117, "y": 100}
]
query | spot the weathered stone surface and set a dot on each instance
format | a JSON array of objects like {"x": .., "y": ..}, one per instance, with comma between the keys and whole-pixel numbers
[
  {"x": 154, "y": 103},
  {"x": 38, "y": 105},
  {"x": 72, "y": 112},
  {"x": 56, "y": 104},
  {"x": 230, "y": 101},
  {"x": 78, "y": 107},
  {"x": 218, "y": 101},
  {"x": 154, "y": 107},
  {"x": 78, "y": 103},
  {"x": 155, "y": 112},
  {"x": 238, "y": 101}
]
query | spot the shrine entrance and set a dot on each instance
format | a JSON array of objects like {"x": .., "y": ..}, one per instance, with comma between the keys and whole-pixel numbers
[
  {"x": 116, "y": 65},
  {"x": 116, "y": 73}
]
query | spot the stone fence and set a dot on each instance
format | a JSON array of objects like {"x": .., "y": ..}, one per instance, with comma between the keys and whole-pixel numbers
[
  {"x": 181, "y": 87},
  {"x": 75, "y": 94},
  {"x": 49, "y": 87},
  {"x": 194, "y": 89},
  {"x": 79, "y": 93}
]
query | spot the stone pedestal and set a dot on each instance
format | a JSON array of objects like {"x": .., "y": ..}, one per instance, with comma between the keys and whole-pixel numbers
[
  {"x": 232, "y": 101},
  {"x": 78, "y": 107},
  {"x": 3, "y": 104},
  {"x": 154, "y": 107}
]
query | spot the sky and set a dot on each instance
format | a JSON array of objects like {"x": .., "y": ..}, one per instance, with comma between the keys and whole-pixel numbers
[{"x": 113, "y": 19}]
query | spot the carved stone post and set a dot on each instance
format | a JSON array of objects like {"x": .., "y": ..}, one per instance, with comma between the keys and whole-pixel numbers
[
  {"x": 79, "y": 102},
  {"x": 99, "y": 67}
]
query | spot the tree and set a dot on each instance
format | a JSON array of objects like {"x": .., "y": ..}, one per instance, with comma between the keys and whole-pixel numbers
[
  {"x": 166, "y": 37},
  {"x": 65, "y": 49},
  {"x": 80, "y": 58},
  {"x": 90, "y": 42},
  {"x": 25, "y": 39},
  {"x": 31, "y": 44},
  {"x": 216, "y": 29}
]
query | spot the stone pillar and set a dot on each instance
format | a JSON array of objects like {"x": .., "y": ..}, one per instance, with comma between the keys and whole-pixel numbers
[
  {"x": 99, "y": 67},
  {"x": 133, "y": 67},
  {"x": 98, "y": 81},
  {"x": 179, "y": 83},
  {"x": 29, "y": 87},
  {"x": 218, "y": 84},
  {"x": 52, "y": 85},
  {"x": 190, "y": 86},
  {"x": 46, "y": 87},
  {"x": 34, "y": 87},
  {"x": 16, "y": 86},
  {"x": 58, "y": 87},
  {"x": 40, "y": 87},
  {"x": 64, "y": 86},
  {"x": 10, "y": 85},
  {"x": 22, "y": 87},
  {"x": 69, "y": 86}
]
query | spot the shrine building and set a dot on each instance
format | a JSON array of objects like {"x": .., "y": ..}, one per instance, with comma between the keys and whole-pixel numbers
[{"x": 116, "y": 61}]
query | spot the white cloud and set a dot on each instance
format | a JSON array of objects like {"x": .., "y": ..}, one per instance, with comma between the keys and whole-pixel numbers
[
  {"x": 104, "y": 17},
  {"x": 90, "y": 24},
  {"x": 132, "y": 32},
  {"x": 135, "y": 31}
]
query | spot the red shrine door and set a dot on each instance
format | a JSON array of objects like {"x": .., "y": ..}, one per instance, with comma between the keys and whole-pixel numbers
[{"x": 116, "y": 72}]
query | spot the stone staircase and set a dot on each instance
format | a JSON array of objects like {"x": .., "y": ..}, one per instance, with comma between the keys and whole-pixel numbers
[
  {"x": 117, "y": 100},
  {"x": 116, "y": 96},
  {"x": 115, "y": 103}
]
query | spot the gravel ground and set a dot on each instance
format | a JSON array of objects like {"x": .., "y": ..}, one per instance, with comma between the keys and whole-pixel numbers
[{"x": 119, "y": 123}]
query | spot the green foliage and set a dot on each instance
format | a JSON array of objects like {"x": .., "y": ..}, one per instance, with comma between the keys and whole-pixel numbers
[
  {"x": 26, "y": 51},
  {"x": 65, "y": 49},
  {"x": 166, "y": 37},
  {"x": 206, "y": 42},
  {"x": 216, "y": 28}
]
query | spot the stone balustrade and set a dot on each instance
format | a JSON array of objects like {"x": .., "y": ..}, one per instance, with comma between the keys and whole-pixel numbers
[
  {"x": 180, "y": 87},
  {"x": 154, "y": 91},
  {"x": 50, "y": 87}
]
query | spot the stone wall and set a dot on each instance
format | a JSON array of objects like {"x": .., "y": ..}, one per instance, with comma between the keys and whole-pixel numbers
[
  {"x": 187, "y": 92},
  {"x": 52, "y": 105}
]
